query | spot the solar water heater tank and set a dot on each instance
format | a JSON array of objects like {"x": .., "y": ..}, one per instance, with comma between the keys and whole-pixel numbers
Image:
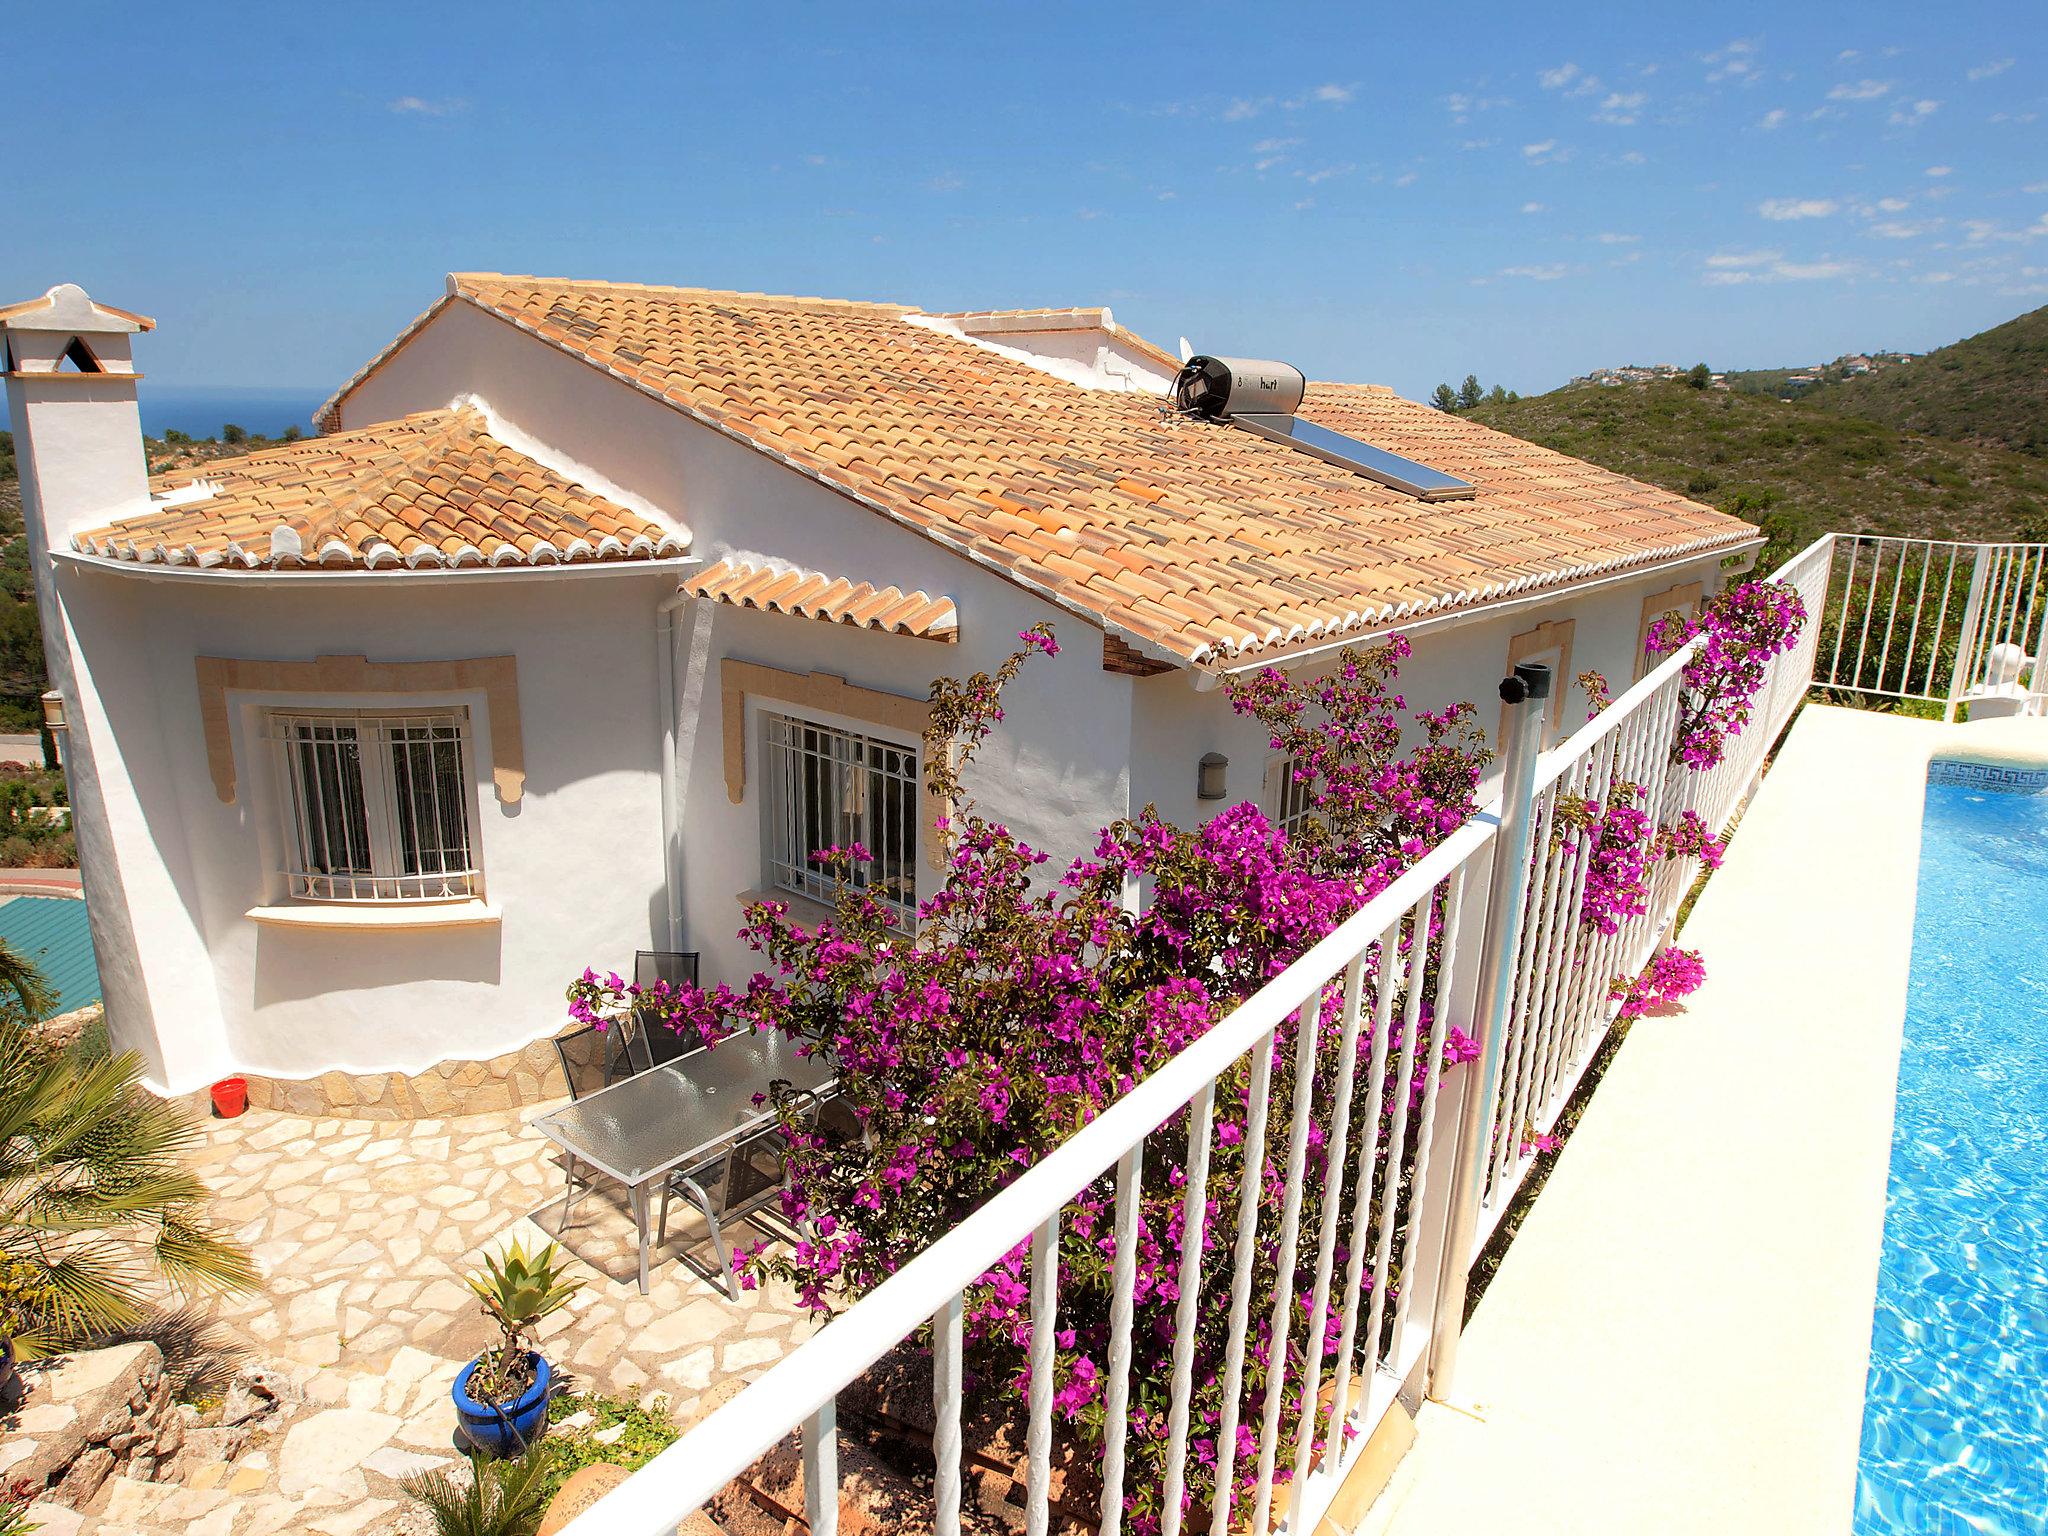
[{"x": 1222, "y": 387}]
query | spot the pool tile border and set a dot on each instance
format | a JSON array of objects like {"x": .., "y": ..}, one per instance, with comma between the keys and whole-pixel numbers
[{"x": 2001, "y": 778}]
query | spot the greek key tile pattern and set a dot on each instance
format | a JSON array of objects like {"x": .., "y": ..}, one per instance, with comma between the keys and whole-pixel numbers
[{"x": 2000, "y": 777}]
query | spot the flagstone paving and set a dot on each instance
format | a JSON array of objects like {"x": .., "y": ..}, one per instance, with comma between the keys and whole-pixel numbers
[{"x": 364, "y": 1231}]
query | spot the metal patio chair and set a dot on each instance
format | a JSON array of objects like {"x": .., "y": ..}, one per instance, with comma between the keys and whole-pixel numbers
[
  {"x": 673, "y": 968},
  {"x": 751, "y": 1172},
  {"x": 593, "y": 1059}
]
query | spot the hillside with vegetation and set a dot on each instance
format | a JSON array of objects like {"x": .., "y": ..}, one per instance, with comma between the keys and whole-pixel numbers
[
  {"x": 1988, "y": 388},
  {"x": 1796, "y": 468}
]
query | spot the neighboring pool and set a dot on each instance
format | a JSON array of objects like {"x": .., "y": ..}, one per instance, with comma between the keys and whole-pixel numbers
[{"x": 1955, "y": 1419}]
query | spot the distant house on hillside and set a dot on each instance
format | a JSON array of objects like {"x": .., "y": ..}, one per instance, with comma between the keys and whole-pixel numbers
[{"x": 598, "y": 606}]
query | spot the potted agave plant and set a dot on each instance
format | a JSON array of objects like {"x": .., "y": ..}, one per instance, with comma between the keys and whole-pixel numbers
[{"x": 501, "y": 1397}]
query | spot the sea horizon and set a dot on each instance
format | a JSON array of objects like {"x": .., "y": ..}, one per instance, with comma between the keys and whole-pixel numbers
[{"x": 203, "y": 409}]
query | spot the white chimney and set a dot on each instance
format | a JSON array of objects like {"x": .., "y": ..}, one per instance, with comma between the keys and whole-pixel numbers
[{"x": 77, "y": 431}]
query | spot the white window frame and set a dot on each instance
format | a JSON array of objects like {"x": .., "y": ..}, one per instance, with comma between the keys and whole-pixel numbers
[
  {"x": 1290, "y": 804},
  {"x": 332, "y": 857},
  {"x": 786, "y": 865}
]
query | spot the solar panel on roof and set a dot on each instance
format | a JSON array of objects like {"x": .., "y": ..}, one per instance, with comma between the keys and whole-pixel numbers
[{"x": 1389, "y": 469}]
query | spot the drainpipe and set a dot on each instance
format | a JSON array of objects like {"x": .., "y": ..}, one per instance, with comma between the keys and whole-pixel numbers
[
  {"x": 671, "y": 834},
  {"x": 1525, "y": 694}
]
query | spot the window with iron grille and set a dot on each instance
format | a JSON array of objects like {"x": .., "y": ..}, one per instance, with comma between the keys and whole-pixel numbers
[
  {"x": 827, "y": 788},
  {"x": 377, "y": 805},
  {"x": 1296, "y": 801}
]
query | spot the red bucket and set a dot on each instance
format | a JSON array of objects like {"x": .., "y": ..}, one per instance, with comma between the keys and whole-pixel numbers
[{"x": 230, "y": 1097}]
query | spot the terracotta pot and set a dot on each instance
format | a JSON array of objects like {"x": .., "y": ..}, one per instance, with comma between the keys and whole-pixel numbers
[{"x": 230, "y": 1097}]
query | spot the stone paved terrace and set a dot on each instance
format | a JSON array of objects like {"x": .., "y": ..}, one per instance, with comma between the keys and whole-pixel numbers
[{"x": 365, "y": 1230}]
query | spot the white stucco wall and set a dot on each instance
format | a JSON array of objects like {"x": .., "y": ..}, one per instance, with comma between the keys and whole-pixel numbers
[{"x": 574, "y": 865}]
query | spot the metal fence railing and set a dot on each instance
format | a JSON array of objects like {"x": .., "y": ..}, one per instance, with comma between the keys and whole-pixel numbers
[
  {"x": 1938, "y": 621},
  {"x": 1420, "y": 1161}
]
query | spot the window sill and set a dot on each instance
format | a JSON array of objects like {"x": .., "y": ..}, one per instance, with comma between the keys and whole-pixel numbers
[
  {"x": 367, "y": 918},
  {"x": 806, "y": 911}
]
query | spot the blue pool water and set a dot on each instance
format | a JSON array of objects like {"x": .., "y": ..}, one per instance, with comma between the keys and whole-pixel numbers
[{"x": 1955, "y": 1421}]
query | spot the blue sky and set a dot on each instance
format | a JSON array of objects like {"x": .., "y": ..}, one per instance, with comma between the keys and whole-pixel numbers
[{"x": 1519, "y": 191}]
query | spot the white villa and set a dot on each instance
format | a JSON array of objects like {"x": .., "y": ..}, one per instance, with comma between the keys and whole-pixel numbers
[{"x": 596, "y": 606}]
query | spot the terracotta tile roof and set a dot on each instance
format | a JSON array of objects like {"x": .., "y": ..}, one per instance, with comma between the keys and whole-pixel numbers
[
  {"x": 1192, "y": 541},
  {"x": 777, "y": 588},
  {"x": 430, "y": 490}
]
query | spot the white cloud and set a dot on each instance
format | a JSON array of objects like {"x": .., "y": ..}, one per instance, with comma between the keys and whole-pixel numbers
[
  {"x": 1892, "y": 204},
  {"x": 1900, "y": 229},
  {"x": 1240, "y": 110},
  {"x": 945, "y": 181},
  {"x": 1940, "y": 170},
  {"x": 1608, "y": 237},
  {"x": 1635, "y": 157},
  {"x": 1463, "y": 104},
  {"x": 1904, "y": 116},
  {"x": 1783, "y": 208},
  {"x": 1545, "y": 152},
  {"x": 1549, "y": 272},
  {"x": 1725, "y": 269},
  {"x": 1772, "y": 119},
  {"x": 1304, "y": 205},
  {"x": 1557, "y": 79},
  {"x": 1273, "y": 146},
  {"x": 1325, "y": 173},
  {"x": 1861, "y": 90},
  {"x": 1995, "y": 67},
  {"x": 2035, "y": 188},
  {"x": 421, "y": 106},
  {"x": 1848, "y": 54},
  {"x": 1333, "y": 95},
  {"x": 1405, "y": 179},
  {"x": 1621, "y": 108},
  {"x": 1477, "y": 143},
  {"x": 1535, "y": 208},
  {"x": 1935, "y": 277},
  {"x": 1737, "y": 62}
]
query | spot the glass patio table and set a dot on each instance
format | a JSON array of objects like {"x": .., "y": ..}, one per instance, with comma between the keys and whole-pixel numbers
[{"x": 664, "y": 1125}]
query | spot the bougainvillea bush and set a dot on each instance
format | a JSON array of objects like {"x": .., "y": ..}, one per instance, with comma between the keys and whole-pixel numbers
[{"x": 1031, "y": 998}]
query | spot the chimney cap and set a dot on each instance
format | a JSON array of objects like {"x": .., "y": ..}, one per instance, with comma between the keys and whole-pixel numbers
[{"x": 67, "y": 307}]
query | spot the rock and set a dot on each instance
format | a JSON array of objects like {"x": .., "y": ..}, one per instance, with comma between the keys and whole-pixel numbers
[
  {"x": 322, "y": 1450},
  {"x": 85, "y": 1475},
  {"x": 80, "y": 1401},
  {"x": 584, "y": 1489},
  {"x": 243, "y": 1404}
]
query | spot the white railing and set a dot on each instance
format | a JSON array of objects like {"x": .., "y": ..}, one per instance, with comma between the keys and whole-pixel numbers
[
  {"x": 1938, "y": 621},
  {"x": 1395, "y": 1172}
]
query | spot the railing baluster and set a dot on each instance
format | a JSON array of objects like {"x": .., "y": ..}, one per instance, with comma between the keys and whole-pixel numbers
[
  {"x": 1368, "y": 1142},
  {"x": 1369, "y": 1156},
  {"x": 947, "y": 1348},
  {"x": 1045, "y": 1285},
  {"x": 1116, "y": 1391},
  {"x": 1842, "y": 618},
  {"x": 1326, "y": 1244},
  {"x": 821, "y": 1469},
  {"x": 1891, "y": 618},
  {"x": 1425, "y": 1127},
  {"x": 1397, "y": 1140},
  {"x": 1194, "y": 1215},
  {"x": 1246, "y": 1250},
  {"x": 1307, "y": 1018}
]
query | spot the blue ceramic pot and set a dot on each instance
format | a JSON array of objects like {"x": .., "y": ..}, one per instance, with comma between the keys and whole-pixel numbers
[{"x": 503, "y": 1429}]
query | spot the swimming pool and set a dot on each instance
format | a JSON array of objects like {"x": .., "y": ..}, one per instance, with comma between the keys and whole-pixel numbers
[{"x": 1955, "y": 1419}]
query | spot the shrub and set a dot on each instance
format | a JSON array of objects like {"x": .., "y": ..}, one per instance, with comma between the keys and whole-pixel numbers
[{"x": 96, "y": 1201}]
